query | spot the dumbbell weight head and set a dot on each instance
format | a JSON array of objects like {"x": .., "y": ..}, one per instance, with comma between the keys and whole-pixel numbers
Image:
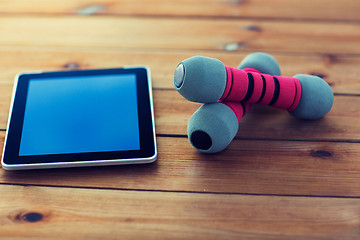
[
  {"x": 316, "y": 100},
  {"x": 212, "y": 127},
  {"x": 210, "y": 75},
  {"x": 263, "y": 62}
]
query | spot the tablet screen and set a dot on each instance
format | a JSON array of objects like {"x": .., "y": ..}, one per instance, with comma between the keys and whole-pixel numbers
[
  {"x": 82, "y": 118},
  {"x": 80, "y": 114}
]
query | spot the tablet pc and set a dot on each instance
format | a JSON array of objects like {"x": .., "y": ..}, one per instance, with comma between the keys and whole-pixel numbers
[{"x": 80, "y": 118}]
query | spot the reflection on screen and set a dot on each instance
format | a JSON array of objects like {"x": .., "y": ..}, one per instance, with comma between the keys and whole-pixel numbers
[{"x": 80, "y": 114}]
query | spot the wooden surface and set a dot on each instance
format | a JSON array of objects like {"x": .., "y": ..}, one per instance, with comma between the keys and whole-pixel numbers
[{"x": 281, "y": 178}]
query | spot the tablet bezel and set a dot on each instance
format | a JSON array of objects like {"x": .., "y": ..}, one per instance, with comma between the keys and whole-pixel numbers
[{"x": 147, "y": 153}]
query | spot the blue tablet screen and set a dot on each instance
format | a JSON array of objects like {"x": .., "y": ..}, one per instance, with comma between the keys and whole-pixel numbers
[{"x": 80, "y": 114}]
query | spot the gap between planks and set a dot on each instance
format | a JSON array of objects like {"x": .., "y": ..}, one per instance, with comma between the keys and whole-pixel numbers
[{"x": 177, "y": 191}]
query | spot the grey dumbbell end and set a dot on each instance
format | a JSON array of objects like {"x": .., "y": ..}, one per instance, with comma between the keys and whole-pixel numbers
[
  {"x": 317, "y": 98},
  {"x": 200, "y": 79},
  {"x": 212, "y": 127},
  {"x": 263, "y": 62}
]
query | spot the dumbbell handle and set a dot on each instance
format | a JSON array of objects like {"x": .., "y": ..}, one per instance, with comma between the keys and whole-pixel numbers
[
  {"x": 240, "y": 108},
  {"x": 251, "y": 86}
]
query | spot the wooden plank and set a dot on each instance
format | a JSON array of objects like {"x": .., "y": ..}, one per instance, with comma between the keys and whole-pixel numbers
[
  {"x": 184, "y": 34},
  {"x": 341, "y": 72},
  {"x": 44, "y": 213},
  {"x": 247, "y": 166},
  {"x": 172, "y": 113},
  {"x": 280, "y": 9}
]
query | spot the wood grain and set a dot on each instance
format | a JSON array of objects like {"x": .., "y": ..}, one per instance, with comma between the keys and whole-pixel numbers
[
  {"x": 61, "y": 213},
  {"x": 280, "y": 178},
  {"x": 247, "y": 166},
  {"x": 184, "y": 34},
  {"x": 341, "y": 72},
  {"x": 348, "y": 10}
]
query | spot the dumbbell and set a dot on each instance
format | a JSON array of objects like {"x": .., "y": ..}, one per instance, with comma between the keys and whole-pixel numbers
[
  {"x": 214, "y": 125},
  {"x": 208, "y": 80}
]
